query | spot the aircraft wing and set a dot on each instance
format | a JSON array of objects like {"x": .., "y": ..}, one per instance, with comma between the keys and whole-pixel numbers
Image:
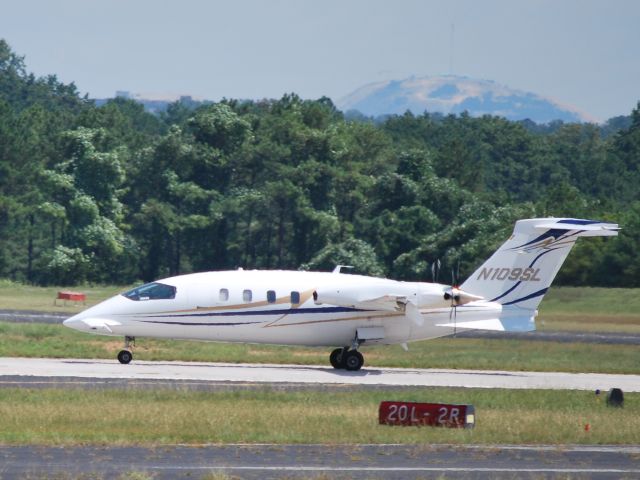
[
  {"x": 366, "y": 300},
  {"x": 389, "y": 303}
]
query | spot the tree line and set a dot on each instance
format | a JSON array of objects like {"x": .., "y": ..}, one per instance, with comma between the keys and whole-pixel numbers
[{"x": 113, "y": 194}]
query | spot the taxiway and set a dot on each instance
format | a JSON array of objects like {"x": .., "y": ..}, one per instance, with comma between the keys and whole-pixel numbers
[
  {"x": 326, "y": 461},
  {"x": 308, "y": 375}
]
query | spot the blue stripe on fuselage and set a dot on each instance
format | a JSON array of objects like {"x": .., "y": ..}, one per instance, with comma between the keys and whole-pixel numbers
[{"x": 248, "y": 313}]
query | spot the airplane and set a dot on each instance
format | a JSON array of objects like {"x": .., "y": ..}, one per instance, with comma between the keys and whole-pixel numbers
[{"x": 341, "y": 310}]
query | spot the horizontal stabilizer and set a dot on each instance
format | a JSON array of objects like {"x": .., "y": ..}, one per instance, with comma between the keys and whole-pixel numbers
[
  {"x": 507, "y": 324},
  {"x": 587, "y": 228}
]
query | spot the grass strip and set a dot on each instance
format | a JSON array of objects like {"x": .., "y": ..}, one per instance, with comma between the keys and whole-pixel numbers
[
  {"x": 590, "y": 309},
  {"x": 16, "y": 296},
  {"x": 126, "y": 417},
  {"x": 56, "y": 341}
]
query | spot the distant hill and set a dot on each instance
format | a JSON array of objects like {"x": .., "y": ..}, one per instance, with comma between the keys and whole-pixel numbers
[{"x": 454, "y": 94}]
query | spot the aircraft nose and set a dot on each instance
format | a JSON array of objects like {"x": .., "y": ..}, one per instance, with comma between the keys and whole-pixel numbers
[
  {"x": 74, "y": 322},
  {"x": 99, "y": 318}
]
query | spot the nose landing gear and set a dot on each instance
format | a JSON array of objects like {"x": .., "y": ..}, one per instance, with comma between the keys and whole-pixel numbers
[{"x": 125, "y": 356}]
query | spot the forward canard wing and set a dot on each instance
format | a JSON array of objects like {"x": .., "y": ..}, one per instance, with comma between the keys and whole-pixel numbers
[{"x": 101, "y": 324}]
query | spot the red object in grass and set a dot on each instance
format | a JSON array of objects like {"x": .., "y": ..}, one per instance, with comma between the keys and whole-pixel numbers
[{"x": 73, "y": 296}]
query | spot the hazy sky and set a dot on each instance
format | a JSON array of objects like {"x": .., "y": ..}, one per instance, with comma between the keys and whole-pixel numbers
[{"x": 585, "y": 53}]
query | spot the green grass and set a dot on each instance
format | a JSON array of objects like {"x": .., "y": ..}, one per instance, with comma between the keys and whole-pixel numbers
[
  {"x": 39, "y": 340},
  {"x": 590, "y": 309},
  {"x": 125, "y": 417},
  {"x": 15, "y": 296}
]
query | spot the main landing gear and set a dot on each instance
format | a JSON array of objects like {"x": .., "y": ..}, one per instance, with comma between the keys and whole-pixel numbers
[
  {"x": 125, "y": 356},
  {"x": 343, "y": 358}
]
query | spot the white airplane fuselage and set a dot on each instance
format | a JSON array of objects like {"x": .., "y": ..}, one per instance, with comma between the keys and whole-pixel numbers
[
  {"x": 258, "y": 306},
  {"x": 342, "y": 310}
]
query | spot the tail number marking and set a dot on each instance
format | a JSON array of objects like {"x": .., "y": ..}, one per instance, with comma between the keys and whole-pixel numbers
[{"x": 513, "y": 274}]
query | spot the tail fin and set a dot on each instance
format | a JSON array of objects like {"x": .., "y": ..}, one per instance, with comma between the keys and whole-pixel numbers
[{"x": 520, "y": 272}]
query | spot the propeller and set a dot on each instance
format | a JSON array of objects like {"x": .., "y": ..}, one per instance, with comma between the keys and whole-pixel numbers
[
  {"x": 457, "y": 297},
  {"x": 454, "y": 294}
]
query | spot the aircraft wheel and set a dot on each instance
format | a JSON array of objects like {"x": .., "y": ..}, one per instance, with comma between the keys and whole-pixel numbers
[
  {"x": 337, "y": 358},
  {"x": 125, "y": 357},
  {"x": 353, "y": 361}
]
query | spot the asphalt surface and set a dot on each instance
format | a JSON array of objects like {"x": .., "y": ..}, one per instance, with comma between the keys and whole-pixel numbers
[
  {"x": 564, "y": 337},
  {"x": 320, "y": 461},
  {"x": 31, "y": 316},
  {"x": 39, "y": 382},
  {"x": 270, "y": 374}
]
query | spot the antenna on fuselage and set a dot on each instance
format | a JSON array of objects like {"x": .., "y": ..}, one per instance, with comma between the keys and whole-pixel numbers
[
  {"x": 339, "y": 268},
  {"x": 435, "y": 270}
]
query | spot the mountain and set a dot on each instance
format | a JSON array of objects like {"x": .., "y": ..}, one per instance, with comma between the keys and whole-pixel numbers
[{"x": 453, "y": 94}]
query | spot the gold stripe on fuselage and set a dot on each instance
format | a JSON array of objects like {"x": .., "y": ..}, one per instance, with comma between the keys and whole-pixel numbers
[{"x": 304, "y": 297}]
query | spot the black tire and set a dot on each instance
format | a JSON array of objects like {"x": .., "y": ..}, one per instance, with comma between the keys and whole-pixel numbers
[
  {"x": 125, "y": 357},
  {"x": 353, "y": 361},
  {"x": 337, "y": 358}
]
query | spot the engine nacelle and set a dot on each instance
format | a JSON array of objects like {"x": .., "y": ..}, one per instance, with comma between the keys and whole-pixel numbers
[{"x": 459, "y": 297}]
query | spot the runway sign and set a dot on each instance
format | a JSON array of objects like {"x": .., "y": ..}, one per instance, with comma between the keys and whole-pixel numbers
[{"x": 426, "y": 414}]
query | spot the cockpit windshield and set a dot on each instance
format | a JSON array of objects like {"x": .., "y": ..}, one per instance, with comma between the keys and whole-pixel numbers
[{"x": 151, "y": 291}]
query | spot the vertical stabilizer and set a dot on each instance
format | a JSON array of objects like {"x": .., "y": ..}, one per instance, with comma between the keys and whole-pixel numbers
[{"x": 520, "y": 272}]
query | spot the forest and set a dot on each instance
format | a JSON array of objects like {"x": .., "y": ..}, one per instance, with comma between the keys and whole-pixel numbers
[{"x": 113, "y": 194}]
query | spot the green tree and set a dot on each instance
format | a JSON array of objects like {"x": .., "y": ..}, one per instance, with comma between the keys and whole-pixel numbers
[{"x": 84, "y": 191}]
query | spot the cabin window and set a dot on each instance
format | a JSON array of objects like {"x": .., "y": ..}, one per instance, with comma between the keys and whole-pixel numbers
[
  {"x": 151, "y": 291},
  {"x": 247, "y": 295},
  {"x": 224, "y": 294},
  {"x": 295, "y": 298},
  {"x": 271, "y": 296}
]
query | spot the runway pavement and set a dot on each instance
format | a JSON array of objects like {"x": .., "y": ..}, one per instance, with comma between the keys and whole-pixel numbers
[
  {"x": 32, "y": 316},
  {"x": 308, "y": 375},
  {"x": 320, "y": 461}
]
